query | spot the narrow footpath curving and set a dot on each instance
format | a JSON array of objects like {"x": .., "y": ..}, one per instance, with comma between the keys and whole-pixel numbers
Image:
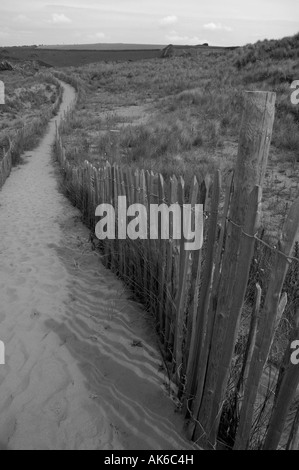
[{"x": 82, "y": 370}]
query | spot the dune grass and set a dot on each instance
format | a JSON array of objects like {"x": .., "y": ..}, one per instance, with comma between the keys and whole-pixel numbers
[
  {"x": 195, "y": 105},
  {"x": 40, "y": 97},
  {"x": 190, "y": 111},
  {"x": 28, "y": 99}
]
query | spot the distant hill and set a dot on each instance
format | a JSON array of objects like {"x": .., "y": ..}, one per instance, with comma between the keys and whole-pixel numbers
[
  {"x": 73, "y": 57},
  {"x": 104, "y": 47},
  {"x": 77, "y": 55},
  {"x": 125, "y": 47}
]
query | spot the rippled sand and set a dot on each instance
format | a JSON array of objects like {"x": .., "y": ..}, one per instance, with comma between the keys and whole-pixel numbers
[{"x": 74, "y": 377}]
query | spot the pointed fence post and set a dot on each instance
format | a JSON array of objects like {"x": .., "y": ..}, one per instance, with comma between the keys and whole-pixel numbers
[{"x": 254, "y": 143}]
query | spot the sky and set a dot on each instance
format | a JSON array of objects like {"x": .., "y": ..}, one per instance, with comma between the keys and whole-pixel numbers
[{"x": 217, "y": 22}]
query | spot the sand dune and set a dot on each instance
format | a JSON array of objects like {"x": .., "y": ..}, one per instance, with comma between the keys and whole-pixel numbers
[{"x": 73, "y": 378}]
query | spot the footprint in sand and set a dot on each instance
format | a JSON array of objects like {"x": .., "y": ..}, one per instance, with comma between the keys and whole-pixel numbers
[
  {"x": 56, "y": 408},
  {"x": 35, "y": 315}
]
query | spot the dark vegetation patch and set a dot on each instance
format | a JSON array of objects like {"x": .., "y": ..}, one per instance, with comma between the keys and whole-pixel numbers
[
  {"x": 67, "y": 58},
  {"x": 28, "y": 97}
]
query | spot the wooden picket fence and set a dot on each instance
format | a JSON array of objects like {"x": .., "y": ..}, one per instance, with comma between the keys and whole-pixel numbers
[{"x": 197, "y": 297}]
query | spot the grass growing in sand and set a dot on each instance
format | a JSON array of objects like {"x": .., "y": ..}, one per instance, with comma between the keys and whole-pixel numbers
[
  {"x": 29, "y": 97},
  {"x": 182, "y": 115}
]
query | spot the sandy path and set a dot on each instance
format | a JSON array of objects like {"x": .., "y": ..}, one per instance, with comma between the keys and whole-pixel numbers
[{"x": 72, "y": 378}]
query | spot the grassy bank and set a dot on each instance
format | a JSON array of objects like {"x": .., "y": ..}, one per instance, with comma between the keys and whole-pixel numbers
[
  {"x": 182, "y": 115},
  {"x": 29, "y": 98}
]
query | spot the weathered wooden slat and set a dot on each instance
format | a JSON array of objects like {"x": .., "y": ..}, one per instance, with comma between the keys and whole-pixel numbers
[
  {"x": 106, "y": 200},
  {"x": 144, "y": 243},
  {"x": 250, "y": 341},
  {"x": 122, "y": 218},
  {"x": 149, "y": 245},
  {"x": 171, "y": 272},
  {"x": 267, "y": 323},
  {"x": 113, "y": 244},
  {"x": 153, "y": 193},
  {"x": 285, "y": 392},
  {"x": 138, "y": 243},
  {"x": 223, "y": 356},
  {"x": 185, "y": 271},
  {"x": 128, "y": 255},
  {"x": 162, "y": 263},
  {"x": 192, "y": 309},
  {"x": 223, "y": 231},
  {"x": 198, "y": 358},
  {"x": 293, "y": 439}
]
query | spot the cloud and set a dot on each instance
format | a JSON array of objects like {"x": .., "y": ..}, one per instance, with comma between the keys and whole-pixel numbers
[
  {"x": 21, "y": 18},
  {"x": 216, "y": 26},
  {"x": 58, "y": 18},
  {"x": 168, "y": 20},
  {"x": 94, "y": 36},
  {"x": 175, "y": 37}
]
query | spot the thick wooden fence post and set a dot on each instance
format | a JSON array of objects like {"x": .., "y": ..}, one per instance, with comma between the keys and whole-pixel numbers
[{"x": 254, "y": 143}]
